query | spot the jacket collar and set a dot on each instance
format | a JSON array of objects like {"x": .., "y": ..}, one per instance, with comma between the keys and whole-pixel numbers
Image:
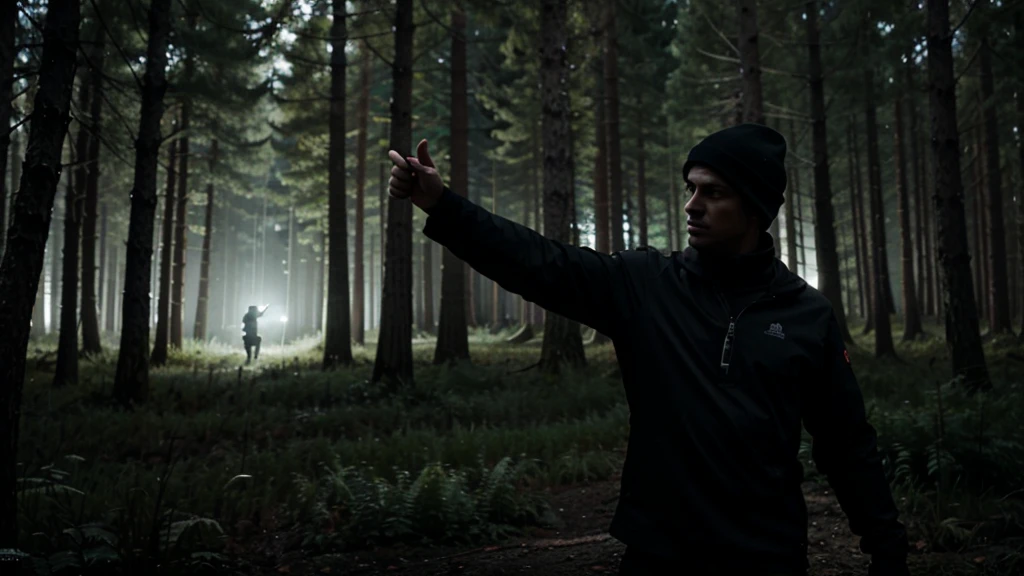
[{"x": 759, "y": 268}]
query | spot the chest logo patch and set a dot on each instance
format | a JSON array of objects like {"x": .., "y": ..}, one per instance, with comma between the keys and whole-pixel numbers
[{"x": 776, "y": 330}]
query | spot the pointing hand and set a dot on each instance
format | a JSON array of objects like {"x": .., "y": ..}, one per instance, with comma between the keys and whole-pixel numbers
[{"x": 415, "y": 178}]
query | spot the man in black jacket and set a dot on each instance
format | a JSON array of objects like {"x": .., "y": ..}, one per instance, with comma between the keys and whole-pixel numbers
[{"x": 724, "y": 354}]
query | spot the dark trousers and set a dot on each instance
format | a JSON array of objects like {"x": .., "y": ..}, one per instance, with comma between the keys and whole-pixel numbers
[
  {"x": 638, "y": 563},
  {"x": 250, "y": 342}
]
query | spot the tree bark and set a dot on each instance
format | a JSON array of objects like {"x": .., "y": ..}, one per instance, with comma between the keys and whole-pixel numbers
[
  {"x": 641, "y": 177},
  {"x": 163, "y": 304},
  {"x": 26, "y": 237},
  {"x": 602, "y": 234},
  {"x": 562, "y": 344},
  {"x": 338, "y": 323},
  {"x": 790, "y": 210},
  {"x": 131, "y": 383},
  {"x": 113, "y": 274},
  {"x": 911, "y": 314},
  {"x": 962, "y": 335},
  {"x": 90, "y": 320},
  {"x": 883, "y": 330},
  {"x": 203, "y": 297},
  {"x": 918, "y": 195},
  {"x": 998, "y": 286},
  {"x": 393, "y": 362},
  {"x": 613, "y": 138},
  {"x": 359, "y": 280},
  {"x": 1018, "y": 33},
  {"x": 854, "y": 221},
  {"x": 67, "y": 348},
  {"x": 180, "y": 231},
  {"x": 750, "y": 62},
  {"x": 8, "y": 52},
  {"x": 452, "y": 334},
  {"x": 827, "y": 259}
]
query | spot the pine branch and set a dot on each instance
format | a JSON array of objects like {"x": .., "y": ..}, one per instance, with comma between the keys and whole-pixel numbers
[
  {"x": 138, "y": 83},
  {"x": 732, "y": 60}
]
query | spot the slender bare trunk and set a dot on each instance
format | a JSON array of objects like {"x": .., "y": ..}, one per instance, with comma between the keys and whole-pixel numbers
[
  {"x": 911, "y": 314},
  {"x": 203, "y": 298},
  {"x": 884, "y": 345},
  {"x": 962, "y": 334},
  {"x": 131, "y": 383},
  {"x": 563, "y": 344},
  {"x": 452, "y": 334},
  {"x": 612, "y": 136},
  {"x": 163, "y": 304},
  {"x": 827, "y": 259},
  {"x": 26, "y": 237},
  {"x": 393, "y": 362},
  {"x": 337, "y": 325}
]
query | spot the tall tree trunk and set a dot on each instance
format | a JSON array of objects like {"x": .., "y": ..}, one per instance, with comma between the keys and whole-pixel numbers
[
  {"x": 321, "y": 280},
  {"x": 790, "y": 210},
  {"x": 131, "y": 383},
  {"x": 180, "y": 231},
  {"x": 203, "y": 297},
  {"x": 358, "y": 282},
  {"x": 55, "y": 247},
  {"x": 918, "y": 195},
  {"x": 670, "y": 216},
  {"x": 101, "y": 283},
  {"x": 854, "y": 229},
  {"x": 602, "y": 220},
  {"x": 8, "y": 52},
  {"x": 163, "y": 304},
  {"x": 67, "y": 349},
  {"x": 999, "y": 296},
  {"x": 90, "y": 321},
  {"x": 113, "y": 274},
  {"x": 977, "y": 243},
  {"x": 962, "y": 335},
  {"x": 612, "y": 136},
  {"x": 26, "y": 237},
  {"x": 827, "y": 259},
  {"x": 883, "y": 330},
  {"x": 452, "y": 334},
  {"x": 1018, "y": 34},
  {"x": 338, "y": 324},
  {"x": 750, "y": 62},
  {"x": 428, "y": 286},
  {"x": 931, "y": 267},
  {"x": 393, "y": 362},
  {"x": 563, "y": 344},
  {"x": 496, "y": 318},
  {"x": 911, "y": 314},
  {"x": 641, "y": 178}
]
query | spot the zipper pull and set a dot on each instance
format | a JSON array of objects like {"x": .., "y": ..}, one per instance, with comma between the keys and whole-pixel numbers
[{"x": 727, "y": 345}]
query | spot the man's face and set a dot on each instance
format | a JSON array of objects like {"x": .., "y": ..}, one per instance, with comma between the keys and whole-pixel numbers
[{"x": 716, "y": 218}]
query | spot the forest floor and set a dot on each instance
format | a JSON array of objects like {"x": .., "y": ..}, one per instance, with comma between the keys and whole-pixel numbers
[
  {"x": 580, "y": 545},
  {"x": 486, "y": 468}
]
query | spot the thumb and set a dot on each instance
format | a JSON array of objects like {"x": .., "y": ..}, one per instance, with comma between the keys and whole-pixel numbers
[{"x": 423, "y": 154}]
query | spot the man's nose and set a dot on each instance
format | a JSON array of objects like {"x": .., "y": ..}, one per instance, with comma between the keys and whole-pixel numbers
[{"x": 694, "y": 205}]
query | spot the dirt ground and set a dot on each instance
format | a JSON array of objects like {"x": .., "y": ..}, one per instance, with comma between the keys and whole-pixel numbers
[{"x": 582, "y": 546}]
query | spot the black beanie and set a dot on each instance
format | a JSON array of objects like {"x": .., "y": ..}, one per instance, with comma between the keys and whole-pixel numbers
[{"x": 752, "y": 158}]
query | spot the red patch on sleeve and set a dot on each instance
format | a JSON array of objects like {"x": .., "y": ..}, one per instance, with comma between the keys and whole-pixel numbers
[{"x": 846, "y": 355}]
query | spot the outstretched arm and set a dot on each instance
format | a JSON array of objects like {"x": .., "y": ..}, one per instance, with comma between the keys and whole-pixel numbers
[
  {"x": 600, "y": 290},
  {"x": 845, "y": 450}
]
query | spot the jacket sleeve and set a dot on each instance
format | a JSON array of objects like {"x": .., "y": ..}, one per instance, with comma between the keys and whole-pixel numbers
[
  {"x": 599, "y": 290},
  {"x": 845, "y": 450}
]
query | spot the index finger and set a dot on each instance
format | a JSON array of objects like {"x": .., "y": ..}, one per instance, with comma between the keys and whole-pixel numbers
[{"x": 398, "y": 160}]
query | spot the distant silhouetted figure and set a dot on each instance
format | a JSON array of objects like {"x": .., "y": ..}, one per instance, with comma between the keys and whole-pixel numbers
[{"x": 249, "y": 329}]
